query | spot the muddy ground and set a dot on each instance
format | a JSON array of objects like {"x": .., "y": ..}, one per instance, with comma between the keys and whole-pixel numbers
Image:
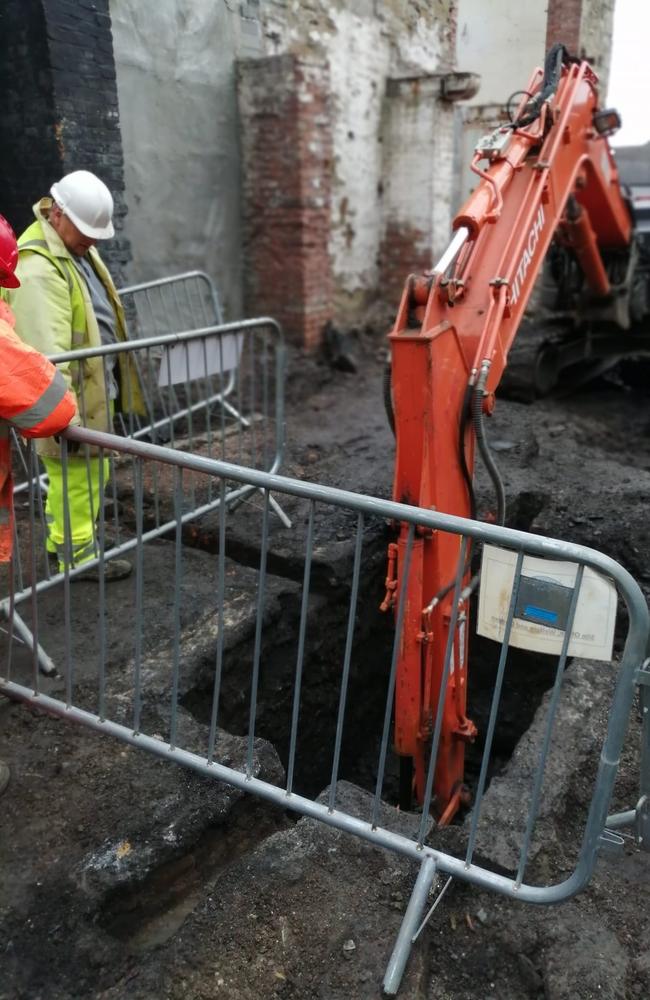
[{"x": 124, "y": 876}]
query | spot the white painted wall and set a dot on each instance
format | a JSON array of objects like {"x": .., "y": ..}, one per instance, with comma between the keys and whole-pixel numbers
[
  {"x": 504, "y": 42},
  {"x": 175, "y": 77}
]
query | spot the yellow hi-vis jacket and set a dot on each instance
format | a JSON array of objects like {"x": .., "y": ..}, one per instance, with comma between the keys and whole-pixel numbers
[{"x": 54, "y": 314}]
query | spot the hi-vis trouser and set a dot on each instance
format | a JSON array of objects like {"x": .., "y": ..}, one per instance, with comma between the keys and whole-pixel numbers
[{"x": 84, "y": 504}]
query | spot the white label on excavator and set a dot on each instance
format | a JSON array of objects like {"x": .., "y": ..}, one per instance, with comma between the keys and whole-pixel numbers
[{"x": 550, "y": 583}]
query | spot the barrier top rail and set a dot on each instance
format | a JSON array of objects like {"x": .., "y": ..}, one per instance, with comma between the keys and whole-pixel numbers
[
  {"x": 549, "y": 548},
  {"x": 167, "y": 280},
  {"x": 127, "y": 346}
]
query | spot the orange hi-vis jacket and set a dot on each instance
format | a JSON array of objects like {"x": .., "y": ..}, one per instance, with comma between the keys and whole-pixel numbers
[{"x": 34, "y": 399}]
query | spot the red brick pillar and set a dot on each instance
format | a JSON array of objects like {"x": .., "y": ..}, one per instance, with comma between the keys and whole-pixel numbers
[
  {"x": 585, "y": 27},
  {"x": 563, "y": 24},
  {"x": 286, "y": 134}
]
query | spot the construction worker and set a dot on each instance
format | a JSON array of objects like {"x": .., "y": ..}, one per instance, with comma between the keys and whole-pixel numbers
[
  {"x": 66, "y": 301},
  {"x": 34, "y": 399}
]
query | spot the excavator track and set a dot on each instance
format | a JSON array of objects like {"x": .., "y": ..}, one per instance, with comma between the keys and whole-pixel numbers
[{"x": 545, "y": 361}]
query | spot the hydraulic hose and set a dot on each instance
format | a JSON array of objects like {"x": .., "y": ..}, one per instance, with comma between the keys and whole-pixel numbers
[
  {"x": 388, "y": 397},
  {"x": 484, "y": 448},
  {"x": 556, "y": 57},
  {"x": 462, "y": 458}
]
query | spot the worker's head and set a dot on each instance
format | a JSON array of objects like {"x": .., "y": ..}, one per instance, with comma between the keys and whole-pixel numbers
[
  {"x": 82, "y": 211},
  {"x": 8, "y": 255}
]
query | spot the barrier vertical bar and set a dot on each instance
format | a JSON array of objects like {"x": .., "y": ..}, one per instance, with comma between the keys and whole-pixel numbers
[
  {"x": 221, "y": 586},
  {"x": 444, "y": 680},
  {"x": 67, "y": 556},
  {"x": 261, "y": 589},
  {"x": 301, "y": 648},
  {"x": 552, "y": 708},
  {"x": 33, "y": 572},
  {"x": 494, "y": 708},
  {"x": 390, "y": 694},
  {"x": 102, "y": 591},
  {"x": 139, "y": 602},
  {"x": 178, "y": 509},
  {"x": 352, "y": 613},
  {"x": 643, "y": 809}
]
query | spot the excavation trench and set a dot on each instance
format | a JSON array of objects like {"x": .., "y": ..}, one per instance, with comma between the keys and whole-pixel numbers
[{"x": 146, "y": 914}]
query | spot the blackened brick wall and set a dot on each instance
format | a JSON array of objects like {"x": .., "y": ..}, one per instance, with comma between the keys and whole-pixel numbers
[
  {"x": 60, "y": 110},
  {"x": 286, "y": 136}
]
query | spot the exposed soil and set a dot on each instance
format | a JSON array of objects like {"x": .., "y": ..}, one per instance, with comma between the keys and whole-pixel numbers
[{"x": 124, "y": 876}]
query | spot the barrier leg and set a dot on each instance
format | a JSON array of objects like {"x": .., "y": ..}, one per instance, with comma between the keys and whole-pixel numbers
[
  {"x": 410, "y": 924},
  {"x": 45, "y": 663},
  {"x": 234, "y": 413},
  {"x": 643, "y": 808},
  {"x": 639, "y": 817},
  {"x": 278, "y": 510}
]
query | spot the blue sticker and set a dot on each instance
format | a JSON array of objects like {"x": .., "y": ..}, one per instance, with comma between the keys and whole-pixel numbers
[{"x": 541, "y": 614}]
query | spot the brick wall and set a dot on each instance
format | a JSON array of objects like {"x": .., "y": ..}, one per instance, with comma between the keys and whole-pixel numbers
[
  {"x": 563, "y": 24},
  {"x": 60, "y": 111},
  {"x": 585, "y": 27},
  {"x": 286, "y": 159}
]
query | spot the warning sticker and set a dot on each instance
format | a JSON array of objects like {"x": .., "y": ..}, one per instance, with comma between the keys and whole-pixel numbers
[{"x": 542, "y": 605}]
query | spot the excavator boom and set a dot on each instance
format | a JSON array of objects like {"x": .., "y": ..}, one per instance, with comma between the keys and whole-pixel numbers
[{"x": 549, "y": 173}]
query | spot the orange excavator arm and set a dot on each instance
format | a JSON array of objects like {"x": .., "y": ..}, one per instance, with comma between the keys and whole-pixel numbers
[{"x": 549, "y": 172}]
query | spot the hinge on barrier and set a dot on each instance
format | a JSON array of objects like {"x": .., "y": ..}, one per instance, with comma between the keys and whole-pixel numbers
[
  {"x": 643, "y": 676},
  {"x": 642, "y": 824},
  {"x": 611, "y": 843}
]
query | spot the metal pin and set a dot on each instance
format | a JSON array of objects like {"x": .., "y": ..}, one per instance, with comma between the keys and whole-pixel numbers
[{"x": 436, "y": 903}]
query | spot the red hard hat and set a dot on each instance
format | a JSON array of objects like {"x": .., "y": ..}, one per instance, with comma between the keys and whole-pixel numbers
[{"x": 8, "y": 255}]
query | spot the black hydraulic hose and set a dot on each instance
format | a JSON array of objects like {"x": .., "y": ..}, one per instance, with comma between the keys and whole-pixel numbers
[
  {"x": 484, "y": 449},
  {"x": 388, "y": 397},
  {"x": 556, "y": 57},
  {"x": 466, "y": 415}
]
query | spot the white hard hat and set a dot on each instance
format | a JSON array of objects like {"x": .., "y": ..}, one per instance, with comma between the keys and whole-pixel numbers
[{"x": 87, "y": 202}]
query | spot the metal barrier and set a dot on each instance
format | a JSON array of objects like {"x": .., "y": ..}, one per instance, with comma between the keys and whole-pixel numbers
[
  {"x": 188, "y": 363},
  {"x": 118, "y": 704},
  {"x": 186, "y": 301},
  {"x": 186, "y": 379}
]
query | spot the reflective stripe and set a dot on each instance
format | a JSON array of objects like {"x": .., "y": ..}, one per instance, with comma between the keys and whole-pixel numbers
[
  {"x": 82, "y": 553},
  {"x": 60, "y": 263},
  {"x": 78, "y": 337},
  {"x": 4, "y": 430},
  {"x": 44, "y": 406},
  {"x": 5, "y": 515}
]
